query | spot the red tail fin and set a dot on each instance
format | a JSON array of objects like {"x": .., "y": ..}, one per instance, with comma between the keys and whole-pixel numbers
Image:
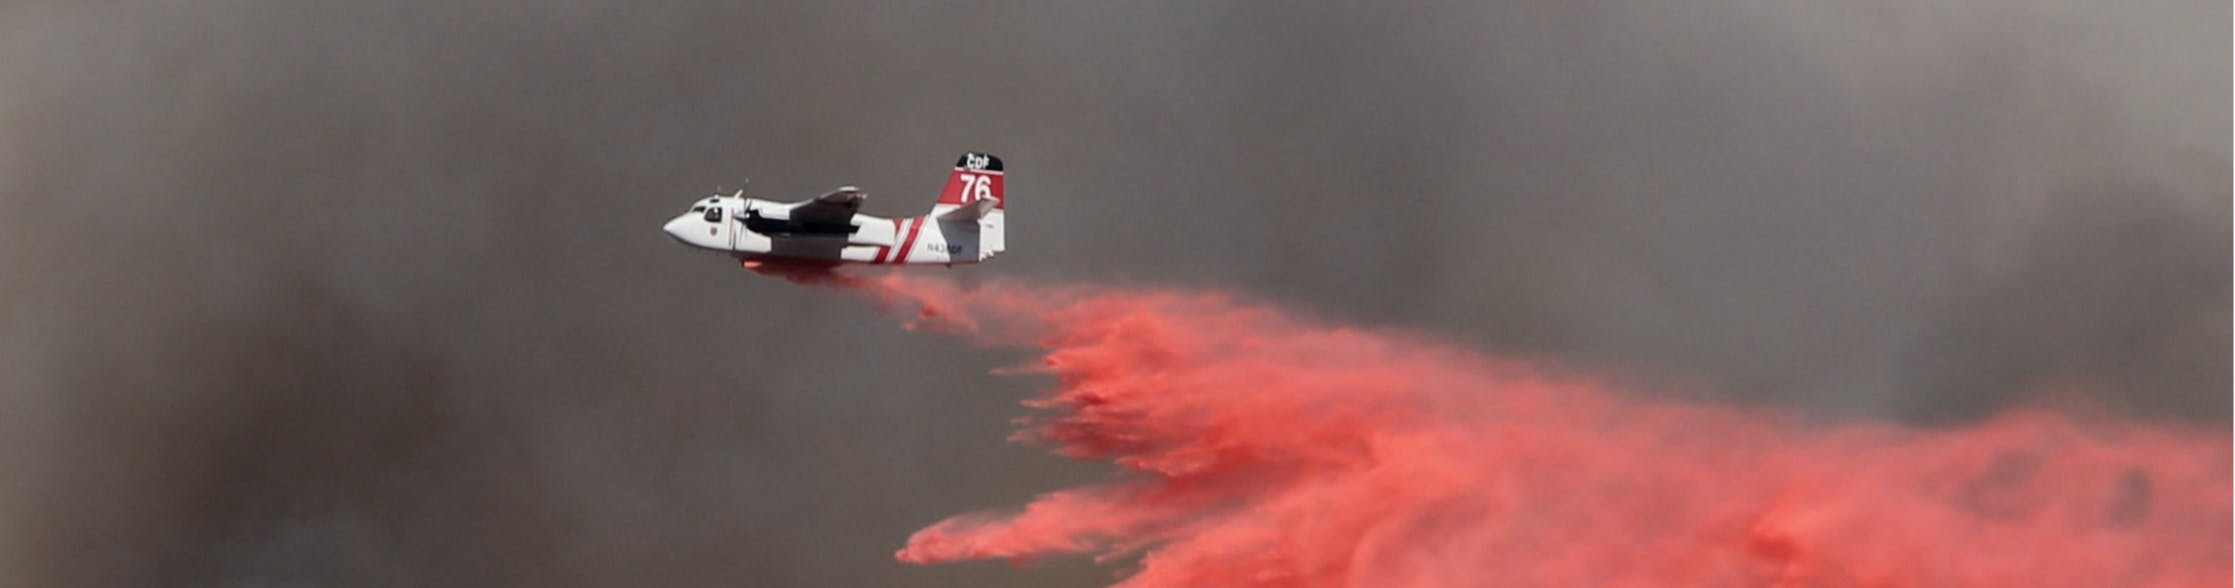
[{"x": 977, "y": 176}]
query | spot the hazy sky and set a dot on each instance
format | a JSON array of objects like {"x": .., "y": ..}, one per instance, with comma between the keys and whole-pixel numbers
[{"x": 373, "y": 293}]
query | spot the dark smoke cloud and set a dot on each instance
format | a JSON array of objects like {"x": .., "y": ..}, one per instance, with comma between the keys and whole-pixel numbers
[{"x": 346, "y": 293}]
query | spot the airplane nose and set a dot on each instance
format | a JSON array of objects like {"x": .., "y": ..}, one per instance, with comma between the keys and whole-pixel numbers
[{"x": 675, "y": 229}]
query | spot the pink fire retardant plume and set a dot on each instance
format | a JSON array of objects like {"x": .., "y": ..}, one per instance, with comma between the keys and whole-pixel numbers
[{"x": 1262, "y": 449}]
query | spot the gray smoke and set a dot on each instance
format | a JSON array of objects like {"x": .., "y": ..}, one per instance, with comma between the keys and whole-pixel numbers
[{"x": 372, "y": 293}]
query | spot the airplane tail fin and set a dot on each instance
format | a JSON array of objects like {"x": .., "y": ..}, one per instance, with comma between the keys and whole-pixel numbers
[
  {"x": 973, "y": 193},
  {"x": 976, "y": 176}
]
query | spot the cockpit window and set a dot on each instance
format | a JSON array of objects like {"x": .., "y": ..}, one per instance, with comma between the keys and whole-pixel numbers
[
  {"x": 698, "y": 209},
  {"x": 713, "y": 215}
]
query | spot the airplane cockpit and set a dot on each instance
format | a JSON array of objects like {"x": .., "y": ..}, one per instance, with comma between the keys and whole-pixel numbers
[
  {"x": 710, "y": 209},
  {"x": 702, "y": 225}
]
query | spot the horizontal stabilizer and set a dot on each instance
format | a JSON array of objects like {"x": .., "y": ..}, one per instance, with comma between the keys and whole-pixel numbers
[{"x": 972, "y": 211}]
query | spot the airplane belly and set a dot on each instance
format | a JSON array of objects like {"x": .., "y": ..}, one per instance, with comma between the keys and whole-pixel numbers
[{"x": 863, "y": 254}]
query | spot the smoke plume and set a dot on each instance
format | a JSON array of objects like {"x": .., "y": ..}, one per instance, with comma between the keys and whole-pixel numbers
[
  {"x": 373, "y": 293},
  {"x": 1260, "y": 449}
]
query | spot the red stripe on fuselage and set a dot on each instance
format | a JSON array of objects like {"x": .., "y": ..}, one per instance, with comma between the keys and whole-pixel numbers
[
  {"x": 914, "y": 227},
  {"x": 885, "y": 250}
]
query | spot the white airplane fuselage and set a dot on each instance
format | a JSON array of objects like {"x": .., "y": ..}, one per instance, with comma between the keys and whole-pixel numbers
[
  {"x": 965, "y": 224},
  {"x": 874, "y": 240}
]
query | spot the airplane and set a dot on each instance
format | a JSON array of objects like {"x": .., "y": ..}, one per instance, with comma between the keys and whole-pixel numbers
[{"x": 964, "y": 226}]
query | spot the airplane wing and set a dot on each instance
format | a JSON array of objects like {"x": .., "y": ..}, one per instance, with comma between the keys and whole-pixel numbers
[
  {"x": 840, "y": 203},
  {"x": 835, "y": 208},
  {"x": 828, "y": 214}
]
